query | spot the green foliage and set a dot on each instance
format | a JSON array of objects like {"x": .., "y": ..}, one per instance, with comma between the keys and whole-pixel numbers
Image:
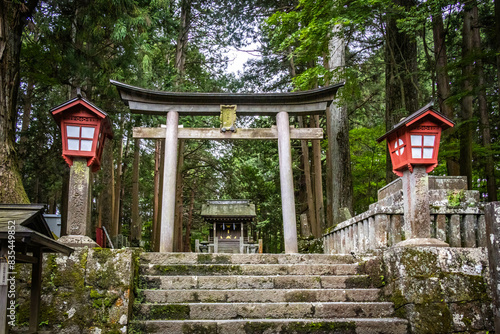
[{"x": 368, "y": 166}]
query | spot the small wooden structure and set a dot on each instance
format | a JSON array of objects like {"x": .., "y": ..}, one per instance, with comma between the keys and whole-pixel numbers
[
  {"x": 24, "y": 237},
  {"x": 230, "y": 220}
]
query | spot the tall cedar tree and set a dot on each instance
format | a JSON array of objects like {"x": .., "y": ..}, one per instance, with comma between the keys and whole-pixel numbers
[{"x": 13, "y": 18}]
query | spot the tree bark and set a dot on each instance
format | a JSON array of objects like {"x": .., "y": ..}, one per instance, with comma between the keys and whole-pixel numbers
[
  {"x": 466, "y": 129},
  {"x": 27, "y": 108},
  {"x": 182, "y": 40},
  {"x": 307, "y": 175},
  {"x": 13, "y": 18},
  {"x": 118, "y": 181},
  {"x": 178, "y": 200},
  {"x": 136, "y": 229},
  {"x": 401, "y": 87},
  {"x": 488, "y": 162},
  {"x": 338, "y": 141},
  {"x": 443, "y": 84},
  {"x": 187, "y": 238},
  {"x": 107, "y": 194},
  {"x": 318, "y": 179},
  {"x": 156, "y": 195}
]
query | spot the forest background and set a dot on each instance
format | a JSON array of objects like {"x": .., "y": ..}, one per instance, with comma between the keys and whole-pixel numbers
[{"x": 394, "y": 56}]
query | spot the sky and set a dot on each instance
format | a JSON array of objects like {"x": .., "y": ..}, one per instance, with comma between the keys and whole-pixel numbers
[{"x": 238, "y": 58}]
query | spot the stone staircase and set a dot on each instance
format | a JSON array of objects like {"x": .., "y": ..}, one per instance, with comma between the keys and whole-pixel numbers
[{"x": 257, "y": 293}]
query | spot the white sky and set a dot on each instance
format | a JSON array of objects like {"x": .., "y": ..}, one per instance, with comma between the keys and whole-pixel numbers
[{"x": 238, "y": 58}]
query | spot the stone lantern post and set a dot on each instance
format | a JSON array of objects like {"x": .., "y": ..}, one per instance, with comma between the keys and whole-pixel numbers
[{"x": 414, "y": 145}]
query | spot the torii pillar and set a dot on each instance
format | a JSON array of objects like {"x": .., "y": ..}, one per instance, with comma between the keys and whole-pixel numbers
[
  {"x": 169, "y": 186},
  {"x": 286, "y": 179}
]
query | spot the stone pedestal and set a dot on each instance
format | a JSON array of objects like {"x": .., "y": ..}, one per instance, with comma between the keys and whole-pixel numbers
[
  {"x": 417, "y": 221},
  {"x": 78, "y": 227}
]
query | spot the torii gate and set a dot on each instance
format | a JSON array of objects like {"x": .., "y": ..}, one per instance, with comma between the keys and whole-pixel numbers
[{"x": 280, "y": 105}]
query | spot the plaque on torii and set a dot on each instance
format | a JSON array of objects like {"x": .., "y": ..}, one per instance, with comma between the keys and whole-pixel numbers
[{"x": 226, "y": 105}]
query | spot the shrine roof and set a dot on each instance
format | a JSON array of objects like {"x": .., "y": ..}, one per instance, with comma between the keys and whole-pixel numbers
[
  {"x": 30, "y": 227},
  {"x": 228, "y": 209},
  {"x": 141, "y": 100},
  {"x": 426, "y": 111}
]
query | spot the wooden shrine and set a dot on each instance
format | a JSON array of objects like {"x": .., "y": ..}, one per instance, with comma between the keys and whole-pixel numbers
[
  {"x": 230, "y": 220},
  {"x": 24, "y": 238},
  {"x": 228, "y": 106}
]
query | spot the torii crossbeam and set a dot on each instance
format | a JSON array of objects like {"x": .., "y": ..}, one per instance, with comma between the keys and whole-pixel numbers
[{"x": 279, "y": 105}]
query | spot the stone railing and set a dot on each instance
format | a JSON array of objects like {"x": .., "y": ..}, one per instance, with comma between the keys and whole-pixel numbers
[{"x": 456, "y": 218}]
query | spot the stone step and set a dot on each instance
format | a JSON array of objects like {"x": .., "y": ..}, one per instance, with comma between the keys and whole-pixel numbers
[
  {"x": 255, "y": 282},
  {"x": 199, "y": 258},
  {"x": 249, "y": 269},
  {"x": 259, "y": 295},
  {"x": 219, "y": 311},
  {"x": 274, "y": 326}
]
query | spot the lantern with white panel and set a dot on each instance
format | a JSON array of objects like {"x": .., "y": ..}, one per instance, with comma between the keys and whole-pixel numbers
[
  {"x": 84, "y": 130},
  {"x": 414, "y": 145}
]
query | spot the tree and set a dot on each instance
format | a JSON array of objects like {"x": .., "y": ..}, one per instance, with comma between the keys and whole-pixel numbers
[
  {"x": 13, "y": 18},
  {"x": 401, "y": 88}
]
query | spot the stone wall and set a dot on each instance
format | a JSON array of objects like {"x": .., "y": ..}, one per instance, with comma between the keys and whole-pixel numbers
[
  {"x": 90, "y": 291},
  {"x": 456, "y": 216},
  {"x": 439, "y": 290}
]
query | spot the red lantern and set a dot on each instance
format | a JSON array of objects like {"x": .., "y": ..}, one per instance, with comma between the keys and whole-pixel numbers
[
  {"x": 415, "y": 140},
  {"x": 84, "y": 128}
]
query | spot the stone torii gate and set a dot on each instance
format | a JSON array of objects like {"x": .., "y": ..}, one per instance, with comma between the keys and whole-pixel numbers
[{"x": 279, "y": 105}]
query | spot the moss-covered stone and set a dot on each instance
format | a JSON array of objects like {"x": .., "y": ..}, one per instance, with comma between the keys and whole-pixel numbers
[
  {"x": 199, "y": 329},
  {"x": 88, "y": 290},
  {"x": 215, "y": 269},
  {"x": 162, "y": 312},
  {"x": 300, "y": 296},
  {"x": 358, "y": 282},
  {"x": 213, "y": 258},
  {"x": 347, "y": 327},
  {"x": 257, "y": 327},
  {"x": 432, "y": 318}
]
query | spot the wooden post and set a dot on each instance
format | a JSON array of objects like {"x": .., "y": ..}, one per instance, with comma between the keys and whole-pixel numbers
[
  {"x": 36, "y": 289},
  {"x": 4, "y": 287},
  {"x": 169, "y": 180},
  {"x": 286, "y": 179}
]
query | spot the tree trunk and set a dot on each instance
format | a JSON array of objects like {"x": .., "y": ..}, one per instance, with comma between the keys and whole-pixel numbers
[
  {"x": 136, "y": 229},
  {"x": 488, "y": 162},
  {"x": 466, "y": 129},
  {"x": 64, "y": 202},
  {"x": 13, "y": 18},
  {"x": 443, "y": 85},
  {"x": 118, "y": 181},
  {"x": 309, "y": 192},
  {"x": 107, "y": 194},
  {"x": 497, "y": 44},
  {"x": 338, "y": 140},
  {"x": 182, "y": 40},
  {"x": 401, "y": 87},
  {"x": 178, "y": 200},
  {"x": 156, "y": 195},
  {"x": 187, "y": 238},
  {"x": 27, "y": 107},
  {"x": 318, "y": 180},
  {"x": 161, "y": 168}
]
